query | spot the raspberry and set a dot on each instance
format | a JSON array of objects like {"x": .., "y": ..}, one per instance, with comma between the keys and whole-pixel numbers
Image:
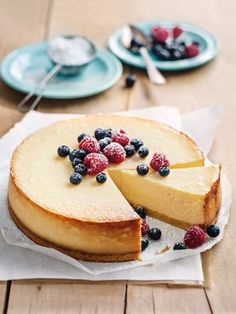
[
  {"x": 144, "y": 227},
  {"x": 114, "y": 152},
  {"x": 120, "y": 137},
  {"x": 192, "y": 50},
  {"x": 158, "y": 161},
  {"x": 90, "y": 145},
  {"x": 194, "y": 237},
  {"x": 177, "y": 31},
  {"x": 160, "y": 34},
  {"x": 95, "y": 163}
]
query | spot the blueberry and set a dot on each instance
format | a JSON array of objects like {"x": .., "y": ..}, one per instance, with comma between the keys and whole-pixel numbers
[
  {"x": 164, "y": 171},
  {"x": 136, "y": 142},
  {"x": 154, "y": 233},
  {"x": 144, "y": 243},
  {"x": 73, "y": 154},
  {"x": 213, "y": 231},
  {"x": 143, "y": 151},
  {"x": 76, "y": 161},
  {"x": 179, "y": 246},
  {"x": 81, "y": 169},
  {"x": 63, "y": 151},
  {"x": 130, "y": 80},
  {"x": 101, "y": 178},
  {"x": 135, "y": 43},
  {"x": 104, "y": 142},
  {"x": 142, "y": 169},
  {"x": 81, "y": 153},
  {"x": 108, "y": 132},
  {"x": 76, "y": 178},
  {"x": 129, "y": 150},
  {"x": 162, "y": 53},
  {"x": 140, "y": 211},
  {"x": 100, "y": 133},
  {"x": 81, "y": 137}
]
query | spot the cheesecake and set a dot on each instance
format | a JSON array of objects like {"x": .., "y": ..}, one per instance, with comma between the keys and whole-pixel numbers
[{"x": 96, "y": 222}]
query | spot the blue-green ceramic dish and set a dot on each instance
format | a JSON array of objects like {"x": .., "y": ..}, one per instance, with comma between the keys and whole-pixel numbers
[
  {"x": 24, "y": 68},
  {"x": 207, "y": 42}
]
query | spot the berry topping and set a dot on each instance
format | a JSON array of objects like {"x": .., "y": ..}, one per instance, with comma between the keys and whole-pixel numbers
[
  {"x": 136, "y": 142},
  {"x": 95, "y": 163},
  {"x": 160, "y": 34},
  {"x": 130, "y": 80},
  {"x": 140, "y": 211},
  {"x": 129, "y": 150},
  {"x": 81, "y": 153},
  {"x": 81, "y": 169},
  {"x": 104, "y": 142},
  {"x": 213, "y": 231},
  {"x": 76, "y": 178},
  {"x": 142, "y": 169},
  {"x": 144, "y": 227},
  {"x": 192, "y": 50},
  {"x": 179, "y": 246},
  {"x": 81, "y": 137},
  {"x": 144, "y": 243},
  {"x": 194, "y": 237},
  {"x": 90, "y": 145},
  {"x": 101, "y": 178},
  {"x": 73, "y": 154},
  {"x": 63, "y": 151},
  {"x": 76, "y": 161},
  {"x": 177, "y": 31},
  {"x": 154, "y": 233},
  {"x": 164, "y": 171},
  {"x": 143, "y": 151},
  {"x": 100, "y": 133},
  {"x": 158, "y": 161},
  {"x": 120, "y": 137},
  {"x": 114, "y": 152}
]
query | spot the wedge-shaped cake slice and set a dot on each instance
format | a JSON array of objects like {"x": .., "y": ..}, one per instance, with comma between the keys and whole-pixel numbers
[{"x": 185, "y": 197}]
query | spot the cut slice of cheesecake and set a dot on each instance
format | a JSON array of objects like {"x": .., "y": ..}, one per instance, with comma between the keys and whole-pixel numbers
[{"x": 185, "y": 197}]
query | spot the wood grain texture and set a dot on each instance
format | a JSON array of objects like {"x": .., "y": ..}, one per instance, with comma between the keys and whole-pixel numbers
[
  {"x": 3, "y": 287},
  {"x": 166, "y": 300},
  {"x": 66, "y": 298}
]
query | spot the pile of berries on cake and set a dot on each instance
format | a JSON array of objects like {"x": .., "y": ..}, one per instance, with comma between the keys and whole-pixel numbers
[
  {"x": 170, "y": 44},
  {"x": 95, "y": 152}
]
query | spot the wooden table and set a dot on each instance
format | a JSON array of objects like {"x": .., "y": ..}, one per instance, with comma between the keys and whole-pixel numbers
[{"x": 22, "y": 22}]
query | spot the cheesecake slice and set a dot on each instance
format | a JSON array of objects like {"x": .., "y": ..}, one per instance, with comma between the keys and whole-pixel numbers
[{"x": 186, "y": 197}]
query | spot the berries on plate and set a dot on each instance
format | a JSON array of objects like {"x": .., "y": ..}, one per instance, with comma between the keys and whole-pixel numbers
[
  {"x": 159, "y": 160},
  {"x": 90, "y": 145},
  {"x": 160, "y": 34},
  {"x": 120, "y": 137},
  {"x": 164, "y": 171},
  {"x": 81, "y": 169},
  {"x": 81, "y": 137},
  {"x": 213, "y": 231},
  {"x": 76, "y": 178},
  {"x": 130, "y": 80},
  {"x": 76, "y": 161},
  {"x": 143, "y": 151},
  {"x": 63, "y": 151},
  {"x": 114, "y": 152},
  {"x": 140, "y": 211},
  {"x": 142, "y": 169},
  {"x": 144, "y": 243},
  {"x": 136, "y": 142},
  {"x": 179, "y": 246},
  {"x": 144, "y": 227},
  {"x": 192, "y": 50},
  {"x": 154, "y": 234},
  {"x": 177, "y": 31},
  {"x": 95, "y": 163},
  {"x": 129, "y": 150},
  {"x": 194, "y": 237},
  {"x": 100, "y": 133},
  {"x": 104, "y": 142},
  {"x": 101, "y": 178}
]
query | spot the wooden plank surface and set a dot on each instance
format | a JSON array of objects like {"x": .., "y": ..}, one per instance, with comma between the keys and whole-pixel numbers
[{"x": 3, "y": 288}]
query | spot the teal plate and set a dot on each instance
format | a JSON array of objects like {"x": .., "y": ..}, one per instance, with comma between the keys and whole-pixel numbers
[
  {"x": 24, "y": 68},
  {"x": 207, "y": 43}
]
